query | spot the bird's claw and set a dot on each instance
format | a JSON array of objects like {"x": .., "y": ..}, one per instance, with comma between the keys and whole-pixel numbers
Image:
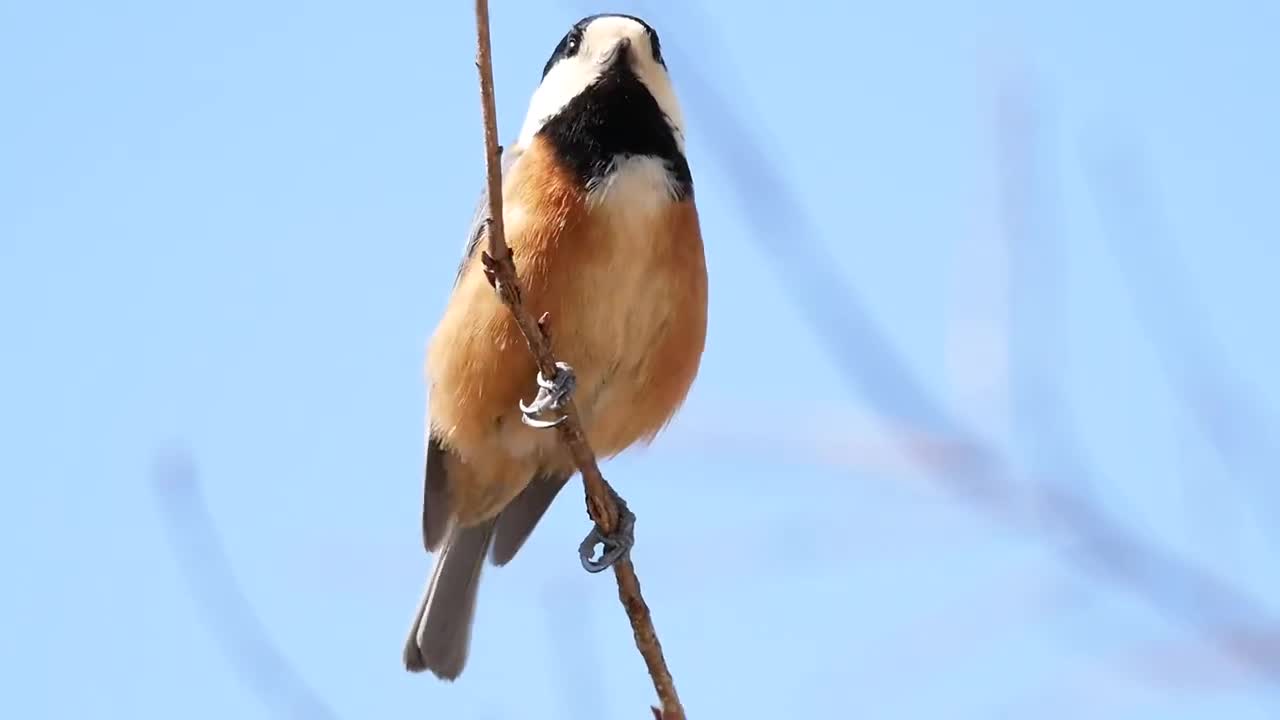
[
  {"x": 616, "y": 546},
  {"x": 552, "y": 394},
  {"x": 542, "y": 424}
]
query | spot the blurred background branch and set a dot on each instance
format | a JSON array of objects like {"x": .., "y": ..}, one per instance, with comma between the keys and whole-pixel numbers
[
  {"x": 262, "y": 667},
  {"x": 1225, "y": 414},
  {"x": 994, "y": 544},
  {"x": 1227, "y": 617}
]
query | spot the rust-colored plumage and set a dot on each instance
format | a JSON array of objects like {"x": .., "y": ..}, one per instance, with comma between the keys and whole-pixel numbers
[
  {"x": 621, "y": 272},
  {"x": 599, "y": 213},
  {"x": 627, "y": 301}
]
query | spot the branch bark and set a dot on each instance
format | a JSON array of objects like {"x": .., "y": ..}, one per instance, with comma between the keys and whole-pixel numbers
[{"x": 600, "y": 504}]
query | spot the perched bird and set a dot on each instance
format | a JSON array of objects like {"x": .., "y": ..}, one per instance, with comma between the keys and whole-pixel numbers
[{"x": 599, "y": 213}]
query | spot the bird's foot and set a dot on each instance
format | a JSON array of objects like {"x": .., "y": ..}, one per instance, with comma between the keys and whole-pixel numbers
[
  {"x": 552, "y": 394},
  {"x": 616, "y": 545}
]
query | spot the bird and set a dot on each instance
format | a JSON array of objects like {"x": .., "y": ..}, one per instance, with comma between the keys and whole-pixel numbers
[{"x": 599, "y": 213}]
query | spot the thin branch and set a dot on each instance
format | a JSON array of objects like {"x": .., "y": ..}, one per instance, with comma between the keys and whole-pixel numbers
[{"x": 600, "y": 504}]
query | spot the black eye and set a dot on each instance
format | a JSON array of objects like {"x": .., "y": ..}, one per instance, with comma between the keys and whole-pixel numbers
[{"x": 568, "y": 47}]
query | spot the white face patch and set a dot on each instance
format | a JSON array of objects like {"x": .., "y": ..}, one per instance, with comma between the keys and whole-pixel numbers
[{"x": 570, "y": 76}]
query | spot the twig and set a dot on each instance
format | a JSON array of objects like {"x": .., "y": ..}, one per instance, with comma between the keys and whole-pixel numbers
[{"x": 600, "y": 504}]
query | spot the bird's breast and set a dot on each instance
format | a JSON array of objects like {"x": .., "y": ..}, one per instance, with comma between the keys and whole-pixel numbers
[
  {"x": 627, "y": 298},
  {"x": 618, "y": 267}
]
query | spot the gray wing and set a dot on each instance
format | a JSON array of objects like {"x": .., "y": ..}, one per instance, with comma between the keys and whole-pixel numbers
[
  {"x": 435, "y": 496},
  {"x": 435, "y": 493},
  {"x": 518, "y": 519},
  {"x": 516, "y": 522},
  {"x": 476, "y": 232}
]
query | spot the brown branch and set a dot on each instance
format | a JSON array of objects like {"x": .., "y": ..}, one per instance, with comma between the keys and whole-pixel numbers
[{"x": 600, "y": 504}]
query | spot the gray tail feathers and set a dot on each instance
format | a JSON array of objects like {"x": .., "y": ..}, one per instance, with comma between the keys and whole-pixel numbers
[
  {"x": 521, "y": 516},
  {"x": 441, "y": 633}
]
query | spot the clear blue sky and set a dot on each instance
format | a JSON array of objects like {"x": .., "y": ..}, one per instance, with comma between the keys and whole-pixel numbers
[{"x": 231, "y": 226}]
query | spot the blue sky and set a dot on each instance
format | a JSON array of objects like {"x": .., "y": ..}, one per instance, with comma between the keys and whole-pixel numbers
[{"x": 230, "y": 228}]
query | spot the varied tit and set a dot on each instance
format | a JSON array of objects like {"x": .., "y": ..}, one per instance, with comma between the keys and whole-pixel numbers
[{"x": 600, "y": 217}]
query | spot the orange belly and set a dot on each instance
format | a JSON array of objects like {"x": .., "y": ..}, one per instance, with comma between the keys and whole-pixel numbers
[{"x": 622, "y": 274}]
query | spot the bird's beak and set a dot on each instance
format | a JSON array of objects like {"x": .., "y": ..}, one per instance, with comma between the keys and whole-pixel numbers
[{"x": 619, "y": 52}]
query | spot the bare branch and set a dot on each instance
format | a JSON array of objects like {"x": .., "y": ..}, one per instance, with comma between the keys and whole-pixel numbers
[{"x": 600, "y": 505}]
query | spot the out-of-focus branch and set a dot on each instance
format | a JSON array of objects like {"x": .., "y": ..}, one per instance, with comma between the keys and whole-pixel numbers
[
  {"x": 1225, "y": 414},
  {"x": 1182, "y": 666},
  {"x": 261, "y": 666},
  {"x": 600, "y": 504},
  {"x": 1168, "y": 668},
  {"x": 1035, "y": 252},
  {"x": 874, "y": 370},
  {"x": 837, "y": 440}
]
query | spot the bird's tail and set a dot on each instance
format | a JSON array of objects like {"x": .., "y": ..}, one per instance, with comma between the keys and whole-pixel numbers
[{"x": 441, "y": 632}]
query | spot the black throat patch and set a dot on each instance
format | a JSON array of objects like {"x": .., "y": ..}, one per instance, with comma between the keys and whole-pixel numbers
[{"x": 616, "y": 115}]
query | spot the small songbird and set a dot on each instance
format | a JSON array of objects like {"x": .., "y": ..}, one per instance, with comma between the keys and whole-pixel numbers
[{"x": 600, "y": 217}]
